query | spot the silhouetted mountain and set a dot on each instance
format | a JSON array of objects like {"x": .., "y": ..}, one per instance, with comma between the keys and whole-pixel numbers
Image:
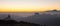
[{"x": 53, "y": 10}]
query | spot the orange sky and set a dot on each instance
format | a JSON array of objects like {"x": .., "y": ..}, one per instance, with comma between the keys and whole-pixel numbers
[{"x": 28, "y": 5}]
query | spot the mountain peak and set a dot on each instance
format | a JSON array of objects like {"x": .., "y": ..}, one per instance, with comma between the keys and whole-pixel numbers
[{"x": 53, "y": 10}]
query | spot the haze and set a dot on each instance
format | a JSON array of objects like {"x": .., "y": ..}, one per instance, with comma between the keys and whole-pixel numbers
[{"x": 28, "y": 5}]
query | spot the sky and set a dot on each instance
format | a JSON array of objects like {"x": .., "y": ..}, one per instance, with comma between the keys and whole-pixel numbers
[{"x": 28, "y": 5}]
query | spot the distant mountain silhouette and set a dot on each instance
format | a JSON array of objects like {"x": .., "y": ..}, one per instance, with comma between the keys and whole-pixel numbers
[{"x": 53, "y": 10}]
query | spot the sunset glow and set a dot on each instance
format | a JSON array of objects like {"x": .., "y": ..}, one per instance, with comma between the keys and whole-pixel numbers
[{"x": 28, "y": 5}]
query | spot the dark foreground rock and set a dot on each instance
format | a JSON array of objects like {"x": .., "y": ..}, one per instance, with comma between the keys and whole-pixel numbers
[{"x": 14, "y": 23}]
